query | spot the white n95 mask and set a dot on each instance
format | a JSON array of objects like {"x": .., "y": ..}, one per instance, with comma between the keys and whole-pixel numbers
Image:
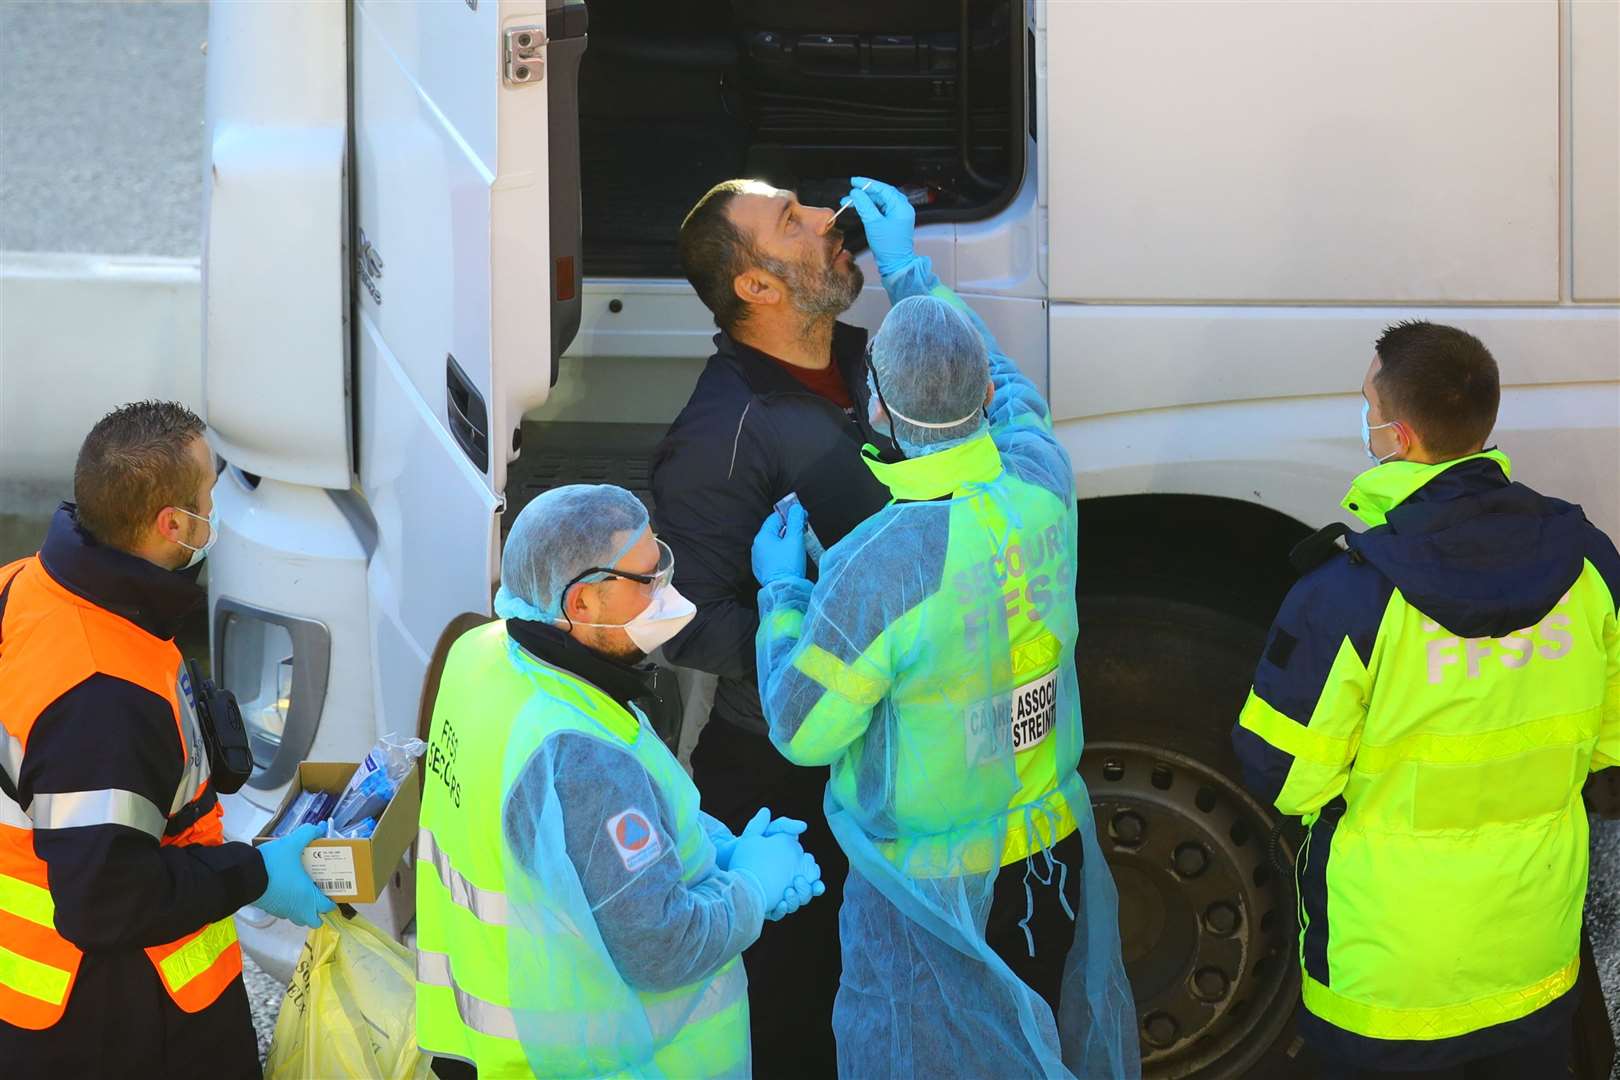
[{"x": 664, "y": 616}]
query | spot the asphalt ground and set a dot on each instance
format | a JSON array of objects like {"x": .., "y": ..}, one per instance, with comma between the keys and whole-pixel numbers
[
  {"x": 101, "y": 127},
  {"x": 100, "y": 151}
]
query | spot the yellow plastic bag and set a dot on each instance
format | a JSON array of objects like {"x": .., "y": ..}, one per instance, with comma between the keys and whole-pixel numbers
[{"x": 351, "y": 1008}]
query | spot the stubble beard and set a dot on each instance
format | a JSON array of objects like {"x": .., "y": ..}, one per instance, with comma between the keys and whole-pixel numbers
[
  {"x": 821, "y": 294},
  {"x": 615, "y": 644}
]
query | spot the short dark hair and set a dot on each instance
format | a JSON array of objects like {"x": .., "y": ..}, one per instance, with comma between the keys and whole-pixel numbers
[
  {"x": 1441, "y": 380},
  {"x": 133, "y": 463},
  {"x": 714, "y": 251}
]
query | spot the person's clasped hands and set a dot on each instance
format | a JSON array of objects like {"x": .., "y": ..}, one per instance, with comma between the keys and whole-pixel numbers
[{"x": 769, "y": 852}]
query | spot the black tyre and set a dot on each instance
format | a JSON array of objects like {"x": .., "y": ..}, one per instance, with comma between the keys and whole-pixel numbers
[{"x": 1207, "y": 913}]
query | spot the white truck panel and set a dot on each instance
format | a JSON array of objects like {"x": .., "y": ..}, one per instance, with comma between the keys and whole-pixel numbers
[
  {"x": 1001, "y": 254},
  {"x": 144, "y": 341},
  {"x": 275, "y": 371},
  {"x": 1304, "y": 152},
  {"x": 1128, "y": 358},
  {"x": 453, "y": 195},
  {"x": 438, "y": 526},
  {"x": 422, "y": 202},
  {"x": 1595, "y": 138},
  {"x": 289, "y": 548},
  {"x": 455, "y": 73},
  {"x": 1298, "y": 455}
]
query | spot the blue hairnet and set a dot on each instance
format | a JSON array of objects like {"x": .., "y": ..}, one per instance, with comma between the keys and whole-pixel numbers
[
  {"x": 931, "y": 366},
  {"x": 561, "y": 533}
]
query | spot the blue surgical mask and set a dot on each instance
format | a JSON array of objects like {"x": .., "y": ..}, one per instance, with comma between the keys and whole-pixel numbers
[
  {"x": 198, "y": 554},
  {"x": 1366, "y": 434}
]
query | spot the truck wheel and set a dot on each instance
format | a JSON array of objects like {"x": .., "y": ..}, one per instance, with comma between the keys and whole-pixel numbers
[{"x": 1206, "y": 893}]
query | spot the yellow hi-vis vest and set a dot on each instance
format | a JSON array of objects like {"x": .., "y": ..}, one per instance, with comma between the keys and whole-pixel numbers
[{"x": 497, "y": 707}]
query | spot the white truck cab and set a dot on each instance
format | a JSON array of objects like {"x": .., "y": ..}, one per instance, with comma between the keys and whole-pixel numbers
[{"x": 440, "y": 277}]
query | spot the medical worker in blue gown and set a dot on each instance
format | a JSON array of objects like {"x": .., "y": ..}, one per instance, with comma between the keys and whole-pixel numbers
[
  {"x": 932, "y": 666},
  {"x": 579, "y": 915}
]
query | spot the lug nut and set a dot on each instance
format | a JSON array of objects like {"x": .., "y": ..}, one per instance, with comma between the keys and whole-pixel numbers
[
  {"x": 1190, "y": 859},
  {"x": 1211, "y": 984},
  {"x": 1128, "y": 828},
  {"x": 1221, "y": 918},
  {"x": 1160, "y": 1029}
]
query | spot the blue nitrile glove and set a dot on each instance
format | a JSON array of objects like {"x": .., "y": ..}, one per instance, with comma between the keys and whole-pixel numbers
[
  {"x": 290, "y": 894},
  {"x": 772, "y": 861},
  {"x": 722, "y": 852},
  {"x": 807, "y": 885},
  {"x": 779, "y": 552},
  {"x": 889, "y": 220},
  {"x": 786, "y": 826}
]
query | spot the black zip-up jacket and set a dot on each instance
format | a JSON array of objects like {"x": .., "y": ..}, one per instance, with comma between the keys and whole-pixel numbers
[{"x": 749, "y": 435}]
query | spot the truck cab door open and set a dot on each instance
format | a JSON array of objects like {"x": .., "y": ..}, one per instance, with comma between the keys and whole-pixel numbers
[{"x": 453, "y": 320}]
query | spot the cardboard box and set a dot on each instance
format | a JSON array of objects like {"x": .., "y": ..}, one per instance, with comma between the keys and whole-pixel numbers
[{"x": 353, "y": 871}]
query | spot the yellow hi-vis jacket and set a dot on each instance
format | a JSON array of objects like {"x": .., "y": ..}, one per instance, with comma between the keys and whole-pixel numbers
[{"x": 1431, "y": 702}]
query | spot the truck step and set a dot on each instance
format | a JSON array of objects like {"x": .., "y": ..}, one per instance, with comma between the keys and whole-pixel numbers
[{"x": 556, "y": 453}]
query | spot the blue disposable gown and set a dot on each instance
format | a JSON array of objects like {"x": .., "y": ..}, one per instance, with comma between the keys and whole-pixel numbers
[
  {"x": 892, "y": 669},
  {"x": 654, "y": 946}
]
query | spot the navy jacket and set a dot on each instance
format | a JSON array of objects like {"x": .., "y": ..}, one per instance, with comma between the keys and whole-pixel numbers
[
  {"x": 1480, "y": 555},
  {"x": 1479, "y": 558},
  {"x": 749, "y": 435},
  {"x": 115, "y": 889}
]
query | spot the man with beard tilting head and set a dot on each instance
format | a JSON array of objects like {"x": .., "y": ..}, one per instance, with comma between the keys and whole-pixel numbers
[{"x": 780, "y": 408}]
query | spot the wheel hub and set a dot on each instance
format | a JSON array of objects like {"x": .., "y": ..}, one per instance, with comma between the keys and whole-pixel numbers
[{"x": 1205, "y": 919}]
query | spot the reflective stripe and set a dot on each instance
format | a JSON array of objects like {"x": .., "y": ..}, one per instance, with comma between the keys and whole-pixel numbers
[
  {"x": 487, "y": 906},
  {"x": 1292, "y": 737},
  {"x": 484, "y": 1017},
  {"x": 33, "y": 978},
  {"x": 27, "y": 901},
  {"x": 109, "y": 806},
  {"x": 197, "y": 955},
  {"x": 1442, "y": 1022},
  {"x": 668, "y": 1017},
  {"x": 1036, "y": 656},
  {"x": 1476, "y": 747},
  {"x": 12, "y": 814},
  {"x": 787, "y": 622},
  {"x": 11, "y": 755},
  {"x": 835, "y": 675},
  {"x": 195, "y": 773},
  {"x": 943, "y": 292}
]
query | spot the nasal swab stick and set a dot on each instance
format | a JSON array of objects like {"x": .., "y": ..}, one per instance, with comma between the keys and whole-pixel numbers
[{"x": 846, "y": 206}]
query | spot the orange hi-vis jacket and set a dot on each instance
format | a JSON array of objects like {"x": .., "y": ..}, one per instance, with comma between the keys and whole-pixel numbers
[{"x": 110, "y": 842}]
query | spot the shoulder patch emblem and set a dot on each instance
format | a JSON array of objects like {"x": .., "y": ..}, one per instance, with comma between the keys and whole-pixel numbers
[{"x": 634, "y": 838}]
